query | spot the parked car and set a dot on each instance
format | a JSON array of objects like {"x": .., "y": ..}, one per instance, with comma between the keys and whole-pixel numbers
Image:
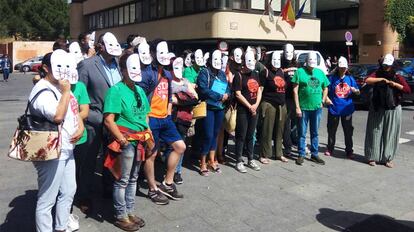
[
  {"x": 360, "y": 72},
  {"x": 301, "y": 56},
  {"x": 27, "y": 65},
  {"x": 35, "y": 67},
  {"x": 406, "y": 64}
]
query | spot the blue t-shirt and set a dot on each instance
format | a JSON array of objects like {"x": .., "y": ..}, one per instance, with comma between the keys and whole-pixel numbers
[{"x": 340, "y": 94}]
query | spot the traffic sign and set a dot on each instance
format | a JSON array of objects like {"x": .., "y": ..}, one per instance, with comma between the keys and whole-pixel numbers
[
  {"x": 348, "y": 36},
  {"x": 349, "y": 43}
]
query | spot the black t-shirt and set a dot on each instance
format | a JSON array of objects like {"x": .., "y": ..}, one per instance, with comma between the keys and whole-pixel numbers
[
  {"x": 248, "y": 84},
  {"x": 288, "y": 77},
  {"x": 274, "y": 87}
]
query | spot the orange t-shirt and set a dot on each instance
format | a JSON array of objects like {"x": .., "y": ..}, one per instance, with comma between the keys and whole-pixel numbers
[{"x": 159, "y": 101}]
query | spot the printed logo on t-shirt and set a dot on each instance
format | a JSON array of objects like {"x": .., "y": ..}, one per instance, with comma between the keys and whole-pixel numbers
[
  {"x": 162, "y": 89},
  {"x": 280, "y": 84},
  {"x": 342, "y": 90},
  {"x": 315, "y": 85},
  {"x": 74, "y": 107},
  {"x": 253, "y": 87}
]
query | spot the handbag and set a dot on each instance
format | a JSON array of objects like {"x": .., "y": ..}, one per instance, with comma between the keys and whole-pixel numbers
[
  {"x": 230, "y": 119},
  {"x": 200, "y": 110},
  {"x": 36, "y": 138}
]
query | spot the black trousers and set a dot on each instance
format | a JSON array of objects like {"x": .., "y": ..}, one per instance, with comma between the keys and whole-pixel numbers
[
  {"x": 290, "y": 132},
  {"x": 245, "y": 127},
  {"x": 333, "y": 122}
]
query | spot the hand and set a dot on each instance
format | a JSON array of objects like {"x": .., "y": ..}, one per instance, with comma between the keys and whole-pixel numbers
[
  {"x": 64, "y": 86},
  {"x": 328, "y": 101},
  {"x": 124, "y": 142},
  {"x": 354, "y": 90},
  {"x": 225, "y": 97},
  {"x": 174, "y": 100},
  {"x": 75, "y": 138},
  {"x": 391, "y": 83},
  {"x": 298, "y": 112},
  {"x": 253, "y": 108}
]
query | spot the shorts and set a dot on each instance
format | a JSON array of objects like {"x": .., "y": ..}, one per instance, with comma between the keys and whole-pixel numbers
[{"x": 163, "y": 129}]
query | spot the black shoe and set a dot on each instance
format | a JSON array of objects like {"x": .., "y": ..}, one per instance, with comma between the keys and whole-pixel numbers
[
  {"x": 157, "y": 197},
  {"x": 300, "y": 160},
  {"x": 317, "y": 160},
  {"x": 170, "y": 191},
  {"x": 177, "y": 178}
]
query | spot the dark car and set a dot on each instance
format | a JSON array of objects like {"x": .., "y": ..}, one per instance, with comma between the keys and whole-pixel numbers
[
  {"x": 360, "y": 72},
  {"x": 410, "y": 81},
  {"x": 405, "y": 64}
]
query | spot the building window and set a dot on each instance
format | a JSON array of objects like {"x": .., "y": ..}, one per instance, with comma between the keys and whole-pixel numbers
[
  {"x": 170, "y": 8},
  {"x": 188, "y": 6},
  {"x": 353, "y": 17},
  {"x": 138, "y": 12},
  {"x": 116, "y": 17},
  {"x": 307, "y": 9},
  {"x": 240, "y": 4},
  {"x": 111, "y": 18},
  {"x": 145, "y": 10},
  {"x": 126, "y": 14},
  {"x": 161, "y": 8},
  {"x": 121, "y": 16},
  {"x": 132, "y": 13},
  {"x": 212, "y": 4},
  {"x": 201, "y": 5},
  {"x": 369, "y": 39},
  {"x": 153, "y": 9},
  {"x": 258, "y": 4},
  {"x": 100, "y": 21},
  {"x": 179, "y": 7},
  {"x": 277, "y": 5}
]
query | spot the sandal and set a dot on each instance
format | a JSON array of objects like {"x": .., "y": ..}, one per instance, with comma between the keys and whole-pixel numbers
[
  {"x": 264, "y": 160},
  {"x": 389, "y": 164},
  {"x": 372, "y": 163},
  {"x": 283, "y": 159},
  {"x": 215, "y": 169}
]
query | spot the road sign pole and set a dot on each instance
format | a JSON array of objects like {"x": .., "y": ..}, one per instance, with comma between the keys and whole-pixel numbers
[{"x": 349, "y": 54}]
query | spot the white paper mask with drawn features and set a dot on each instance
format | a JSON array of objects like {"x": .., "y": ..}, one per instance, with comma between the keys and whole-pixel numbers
[
  {"x": 238, "y": 55},
  {"x": 216, "y": 59},
  {"x": 250, "y": 60},
  {"x": 205, "y": 58},
  {"x": 312, "y": 60},
  {"x": 75, "y": 50},
  {"x": 162, "y": 53},
  {"x": 198, "y": 57},
  {"x": 288, "y": 51},
  {"x": 91, "y": 41},
  {"x": 144, "y": 53},
  {"x": 73, "y": 76},
  {"x": 276, "y": 61},
  {"x": 178, "y": 67},
  {"x": 224, "y": 61},
  {"x": 61, "y": 62},
  {"x": 134, "y": 68},
  {"x": 111, "y": 44},
  {"x": 187, "y": 61}
]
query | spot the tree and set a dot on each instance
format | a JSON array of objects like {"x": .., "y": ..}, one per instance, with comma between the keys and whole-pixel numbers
[
  {"x": 34, "y": 19},
  {"x": 398, "y": 13}
]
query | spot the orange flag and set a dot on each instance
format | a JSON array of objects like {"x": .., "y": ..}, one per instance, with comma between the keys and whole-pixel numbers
[{"x": 288, "y": 14}]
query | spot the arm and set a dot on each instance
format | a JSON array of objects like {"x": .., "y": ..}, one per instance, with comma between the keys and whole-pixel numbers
[
  {"x": 84, "y": 111},
  {"x": 401, "y": 85},
  {"x": 79, "y": 132},
  {"x": 371, "y": 80},
  {"x": 63, "y": 104},
  {"x": 242, "y": 99},
  {"x": 296, "y": 98},
  {"x": 325, "y": 97},
  {"x": 109, "y": 120}
]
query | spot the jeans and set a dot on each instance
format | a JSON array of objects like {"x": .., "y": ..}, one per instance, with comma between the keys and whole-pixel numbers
[
  {"x": 333, "y": 122},
  {"x": 57, "y": 185},
  {"x": 6, "y": 73},
  {"x": 211, "y": 125},
  {"x": 313, "y": 117},
  {"x": 125, "y": 188},
  {"x": 245, "y": 131}
]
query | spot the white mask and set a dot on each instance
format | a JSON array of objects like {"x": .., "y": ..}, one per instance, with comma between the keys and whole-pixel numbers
[
  {"x": 144, "y": 53},
  {"x": 238, "y": 55},
  {"x": 198, "y": 56},
  {"x": 61, "y": 63},
  {"x": 75, "y": 49},
  {"x": 134, "y": 68},
  {"x": 111, "y": 44},
  {"x": 171, "y": 55},
  {"x": 259, "y": 53},
  {"x": 178, "y": 67},
  {"x": 91, "y": 41},
  {"x": 288, "y": 52},
  {"x": 276, "y": 63},
  {"x": 216, "y": 59},
  {"x": 224, "y": 61},
  {"x": 205, "y": 58},
  {"x": 73, "y": 77},
  {"x": 250, "y": 60},
  {"x": 312, "y": 60},
  {"x": 187, "y": 61},
  {"x": 162, "y": 53},
  {"x": 137, "y": 40}
]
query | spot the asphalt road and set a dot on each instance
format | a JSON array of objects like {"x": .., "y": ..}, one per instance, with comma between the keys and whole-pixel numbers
[{"x": 281, "y": 197}]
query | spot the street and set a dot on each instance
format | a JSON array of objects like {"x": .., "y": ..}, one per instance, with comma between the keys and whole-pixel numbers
[{"x": 280, "y": 197}]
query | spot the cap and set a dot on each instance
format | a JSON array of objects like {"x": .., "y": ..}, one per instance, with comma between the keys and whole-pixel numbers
[
  {"x": 342, "y": 62},
  {"x": 388, "y": 60}
]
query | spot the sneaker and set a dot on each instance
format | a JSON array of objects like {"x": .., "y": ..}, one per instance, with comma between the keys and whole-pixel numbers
[
  {"x": 300, "y": 160},
  {"x": 177, "y": 178},
  {"x": 328, "y": 153},
  {"x": 240, "y": 167},
  {"x": 307, "y": 151},
  {"x": 317, "y": 160},
  {"x": 170, "y": 191},
  {"x": 126, "y": 225},
  {"x": 158, "y": 197},
  {"x": 73, "y": 223},
  {"x": 350, "y": 155},
  {"x": 253, "y": 165}
]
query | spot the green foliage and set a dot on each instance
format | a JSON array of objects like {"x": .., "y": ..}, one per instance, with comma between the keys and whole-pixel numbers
[
  {"x": 34, "y": 19},
  {"x": 398, "y": 13}
]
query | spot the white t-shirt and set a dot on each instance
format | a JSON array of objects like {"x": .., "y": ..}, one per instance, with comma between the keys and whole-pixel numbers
[{"x": 46, "y": 105}]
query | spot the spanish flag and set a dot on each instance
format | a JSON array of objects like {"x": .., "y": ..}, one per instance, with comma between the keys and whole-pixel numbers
[{"x": 288, "y": 14}]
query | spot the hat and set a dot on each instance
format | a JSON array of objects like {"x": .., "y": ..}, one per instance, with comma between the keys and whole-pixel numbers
[
  {"x": 388, "y": 60},
  {"x": 342, "y": 62}
]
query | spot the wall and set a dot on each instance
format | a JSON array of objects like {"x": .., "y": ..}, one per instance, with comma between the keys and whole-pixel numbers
[
  {"x": 77, "y": 20},
  {"x": 21, "y": 50}
]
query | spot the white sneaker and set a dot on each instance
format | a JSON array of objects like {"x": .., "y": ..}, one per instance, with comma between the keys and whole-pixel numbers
[
  {"x": 253, "y": 165},
  {"x": 240, "y": 167},
  {"x": 73, "y": 223}
]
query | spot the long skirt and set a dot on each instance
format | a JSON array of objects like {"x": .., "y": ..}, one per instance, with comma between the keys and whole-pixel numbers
[{"x": 382, "y": 134}]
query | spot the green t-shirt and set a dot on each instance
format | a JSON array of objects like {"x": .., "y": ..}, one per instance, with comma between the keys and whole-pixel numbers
[
  {"x": 81, "y": 95},
  {"x": 120, "y": 100},
  {"x": 191, "y": 74},
  {"x": 311, "y": 87}
]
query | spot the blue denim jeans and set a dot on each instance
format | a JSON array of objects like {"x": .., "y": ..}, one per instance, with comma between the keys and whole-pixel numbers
[
  {"x": 211, "y": 127},
  {"x": 57, "y": 186},
  {"x": 125, "y": 188},
  {"x": 313, "y": 117}
]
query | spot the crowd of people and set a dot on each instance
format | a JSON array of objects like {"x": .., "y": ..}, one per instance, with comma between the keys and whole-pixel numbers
[{"x": 123, "y": 108}]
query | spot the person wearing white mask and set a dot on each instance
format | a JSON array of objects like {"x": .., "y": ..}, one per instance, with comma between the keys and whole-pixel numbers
[
  {"x": 87, "y": 44},
  {"x": 191, "y": 73},
  {"x": 340, "y": 92},
  {"x": 213, "y": 88},
  {"x": 273, "y": 110},
  {"x": 248, "y": 90},
  {"x": 52, "y": 99},
  {"x": 310, "y": 90},
  {"x": 188, "y": 61},
  {"x": 126, "y": 118},
  {"x": 383, "y": 129}
]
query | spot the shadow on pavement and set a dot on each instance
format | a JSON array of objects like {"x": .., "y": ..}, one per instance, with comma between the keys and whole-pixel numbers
[
  {"x": 21, "y": 216},
  {"x": 349, "y": 221}
]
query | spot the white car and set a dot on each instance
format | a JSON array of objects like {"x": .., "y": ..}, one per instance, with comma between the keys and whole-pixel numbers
[{"x": 301, "y": 56}]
